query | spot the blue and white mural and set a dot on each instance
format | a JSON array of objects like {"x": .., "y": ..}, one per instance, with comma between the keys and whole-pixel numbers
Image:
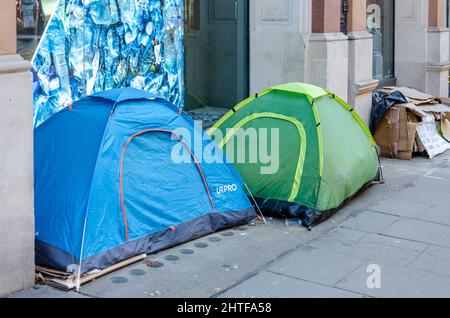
[{"x": 95, "y": 45}]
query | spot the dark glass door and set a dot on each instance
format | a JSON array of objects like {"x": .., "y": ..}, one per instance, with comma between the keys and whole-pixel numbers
[
  {"x": 381, "y": 23},
  {"x": 216, "y": 49}
]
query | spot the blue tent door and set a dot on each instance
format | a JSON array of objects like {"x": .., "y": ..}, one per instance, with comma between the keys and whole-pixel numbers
[{"x": 157, "y": 193}]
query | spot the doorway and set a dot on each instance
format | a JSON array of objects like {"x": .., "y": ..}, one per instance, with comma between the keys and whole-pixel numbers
[{"x": 216, "y": 53}]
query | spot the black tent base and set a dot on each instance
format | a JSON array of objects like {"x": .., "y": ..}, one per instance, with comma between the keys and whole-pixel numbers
[
  {"x": 309, "y": 217},
  {"x": 52, "y": 257}
]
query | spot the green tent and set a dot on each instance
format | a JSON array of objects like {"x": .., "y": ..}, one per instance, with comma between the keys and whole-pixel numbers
[{"x": 326, "y": 153}]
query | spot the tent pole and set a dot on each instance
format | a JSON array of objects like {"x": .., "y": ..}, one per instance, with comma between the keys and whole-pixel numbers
[
  {"x": 256, "y": 204},
  {"x": 84, "y": 94},
  {"x": 84, "y": 50},
  {"x": 380, "y": 167},
  {"x": 78, "y": 283}
]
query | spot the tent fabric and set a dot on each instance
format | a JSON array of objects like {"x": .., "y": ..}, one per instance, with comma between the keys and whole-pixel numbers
[
  {"x": 107, "y": 188},
  {"x": 327, "y": 154}
]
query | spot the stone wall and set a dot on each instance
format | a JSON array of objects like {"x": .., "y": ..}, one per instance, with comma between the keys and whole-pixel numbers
[{"x": 16, "y": 161}]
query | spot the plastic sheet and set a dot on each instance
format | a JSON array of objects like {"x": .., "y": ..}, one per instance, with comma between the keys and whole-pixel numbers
[
  {"x": 95, "y": 45},
  {"x": 381, "y": 102}
]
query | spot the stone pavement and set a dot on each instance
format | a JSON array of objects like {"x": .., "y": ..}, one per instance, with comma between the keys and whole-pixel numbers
[{"x": 401, "y": 227}]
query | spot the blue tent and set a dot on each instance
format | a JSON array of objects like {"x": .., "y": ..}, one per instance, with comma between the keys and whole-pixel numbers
[{"x": 107, "y": 189}]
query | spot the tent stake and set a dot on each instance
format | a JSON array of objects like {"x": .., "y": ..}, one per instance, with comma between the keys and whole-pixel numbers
[{"x": 256, "y": 204}]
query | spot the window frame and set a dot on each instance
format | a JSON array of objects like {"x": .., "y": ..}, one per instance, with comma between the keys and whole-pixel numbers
[{"x": 390, "y": 81}]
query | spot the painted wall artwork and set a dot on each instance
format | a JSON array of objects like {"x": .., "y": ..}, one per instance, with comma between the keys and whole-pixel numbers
[{"x": 95, "y": 45}]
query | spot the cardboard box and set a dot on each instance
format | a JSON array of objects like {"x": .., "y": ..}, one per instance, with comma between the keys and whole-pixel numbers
[
  {"x": 445, "y": 127},
  {"x": 429, "y": 137},
  {"x": 413, "y": 127},
  {"x": 387, "y": 134},
  {"x": 396, "y": 134}
]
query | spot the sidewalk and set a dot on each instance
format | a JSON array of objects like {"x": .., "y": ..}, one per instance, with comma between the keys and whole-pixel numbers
[{"x": 402, "y": 226}]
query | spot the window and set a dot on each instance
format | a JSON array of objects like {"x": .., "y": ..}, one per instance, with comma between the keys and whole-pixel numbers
[
  {"x": 192, "y": 15},
  {"x": 344, "y": 12},
  {"x": 32, "y": 17},
  {"x": 216, "y": 53},
  {"x": 380, "y": 23},
  {"x": 447, "y": 16}
]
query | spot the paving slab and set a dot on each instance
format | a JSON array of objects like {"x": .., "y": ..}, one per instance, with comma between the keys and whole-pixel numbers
[
  {"x": 316, "y": 265},
  {"x": 404, "y": 208},
  {"x": 434, "y": 183},
  {"x": 440, "y": 213},
  {"x": 370, "y": 221},
  {"x": 441, "y": 168},
  {"x": 435, "y": 259},
  {"x": 418, "y": 195},
  {"x": 420, "y": 231},
  {"x": 397, "y": 281},
  {"x": 371, "y": 246},
  {"x": 205, "y": 266},
  {"x": 340, "y": 237},
  {"x": 47, "y": 292},
  {"x": 271, "y": 285}
]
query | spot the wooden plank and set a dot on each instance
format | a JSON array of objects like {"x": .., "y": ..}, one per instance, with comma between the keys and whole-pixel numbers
[
  {"x": 52, "y": 272},
  {"x": 68, "y": 281}
]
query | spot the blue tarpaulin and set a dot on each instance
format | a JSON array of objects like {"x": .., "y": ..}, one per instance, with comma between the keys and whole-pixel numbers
[{"x": 97, "y": 45}]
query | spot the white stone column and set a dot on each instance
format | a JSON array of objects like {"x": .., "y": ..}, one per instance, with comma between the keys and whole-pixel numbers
[
  {"x": 422, "y": 46},
  {"x": 16, "y": 161},
  {"x": 278, "y": 42},
  {"x": 360, "y": 46},
  {"x": 438, "y": 63},
  {"x": 328, "y": 62},
  {"x": 328, "y": 49}
]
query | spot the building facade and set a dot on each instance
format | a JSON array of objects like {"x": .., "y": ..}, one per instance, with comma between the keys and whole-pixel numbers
[
  {"x": 351, "y": 47},
  {"x": 236, "y": 48},
  {"x": 16, "y": 160}
]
